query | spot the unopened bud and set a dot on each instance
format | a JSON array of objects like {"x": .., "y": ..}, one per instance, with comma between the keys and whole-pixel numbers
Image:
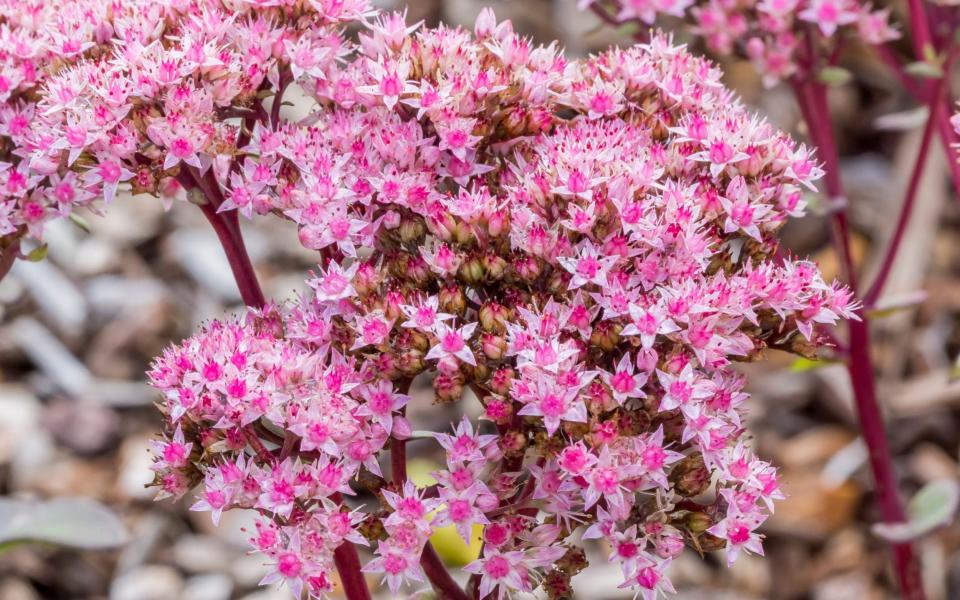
[
  {"x": 498, "y": 223},
  {"x": 499, "y": 410},
  {"x": 411, "y": 230},
  {"x": 697, "y": 522},
  {"x": 495, "y": 266},
  {"x": 515, "y": 123},
  {"x": 471, "y": 271},
  {"x": 668, "y": 544},
  {"x": 501, "y": 381},
  {"x": 367, "y": 279},
  {"x": 448, "y": 387},
  {"x": 462, "y": 234},
  {"x": 527, "y": 268},
  {"x": 690, "y": 477},
  {"x": 606, "y": 335},
  {"x": 452, "y": 299},
  {"x": 513, "y": 443},
  {"x": 494, "y": 346},
  {"x": 410, "y": 362}
]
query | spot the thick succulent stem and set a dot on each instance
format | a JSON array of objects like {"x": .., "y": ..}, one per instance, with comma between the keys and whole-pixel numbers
[
  {"x": 812, "y": 99},
  {"x": 443, "y": 583},
  {"x": 906, "y": 209},
  {"x": 227, "y": 227}
]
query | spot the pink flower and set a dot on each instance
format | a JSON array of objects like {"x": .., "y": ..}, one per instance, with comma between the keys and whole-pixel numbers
[
  {"x": 498, "y": 571},
  {"x": 453, "y": 343}
]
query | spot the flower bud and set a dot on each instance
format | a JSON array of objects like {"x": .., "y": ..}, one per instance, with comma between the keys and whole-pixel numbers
[
  {"x": 391, "y": 220},
  {"x": 391, "y": 305},
  {"x": 471, "y": 271},
  {"x": 401, "y": 428},
  {"x": 527, "y": 268},
  {"x": 690, "y": 477},
  {"x": 485, "y": 24},
  {"x": 442, "y": 226},
  {"x": 647, "y": 360},
  {"x": 411, "y": 230},
  {"x": 209, "y": 437},
  {"x": 600, "y": 397},
  {"x": 697, "y": 522},
  {"x": 494, "y": 317},
  {"x": 498, "y": 223},
  {"x": 539, "y": 120},
  {"x": 480, "y": 372},
  {"x": 606, "y": 335},
  {"x": 515, "y": 122},
  {"x": 387, "y": 365},
  {"x": 410, "y": 362},
  {"x": 449, "y": 365},
  {"x": 418, "y": 271},
  {"x": 559, "y": 282},
  {"x": 668, "y": 544},
  {"x": 513, "y": 443},
  {"x": 452, "y": 299},
  {"x": 487, "y": 502},
  {"x": 236, "y": 439},
  {"x": 448, "y": 387},
  {"x": 367, "y": 280},
  {"x": 493, "y": 346},
  {"x": 462, "y": 234},
  {"x": 495, "y": 266},
  {"x": 501, "y": 380},
  {"x": 499, "y": 410}
]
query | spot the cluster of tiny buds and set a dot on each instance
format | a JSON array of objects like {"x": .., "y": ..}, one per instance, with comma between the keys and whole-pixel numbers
[{"x": 582, "y": 247}]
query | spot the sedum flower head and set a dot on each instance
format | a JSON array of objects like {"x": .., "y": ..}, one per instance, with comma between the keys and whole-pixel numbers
[{"x": 587, "y": 246}]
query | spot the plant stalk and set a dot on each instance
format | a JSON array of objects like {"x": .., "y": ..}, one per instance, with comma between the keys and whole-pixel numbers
[
  {"x": 811, "y": 96},
  {"x": 436, "y": 571},
  {"x": 876, "y": 289}
]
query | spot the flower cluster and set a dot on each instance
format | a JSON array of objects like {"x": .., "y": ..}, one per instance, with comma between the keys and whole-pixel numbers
[
  {"x": 777, "y": 36},
  {"x": 95, "y": 95},
  {"x": 586, "y": 246}
]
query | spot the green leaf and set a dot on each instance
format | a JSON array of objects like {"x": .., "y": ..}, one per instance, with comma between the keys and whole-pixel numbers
[
  {"x": 834, "y": 76},
  {"x": 802, "y": 365},
  {"x": 72, "y": 522},
  {"x": 934, "y": 506},
  {"x": 37, "y": 254},
  {"x": 925, "y": 69}
]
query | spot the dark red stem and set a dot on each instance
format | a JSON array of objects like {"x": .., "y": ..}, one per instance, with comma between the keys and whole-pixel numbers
[
  {"x": 443, "y": 583},
  {"x": 254, "y": 440},
  {"x": 886, "y": 265},
  {"x": 8, "y": 255},
  {"x": 398, "y": 460},
  {"x": 285, "y": 78},
  {"x": 228, "y": 231},
  {"x": 227, "y": 227},
  {"x": 398, "y": 448},
  {"x": 347, "y": 561},
  {"x": 811, "y": 96}
]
